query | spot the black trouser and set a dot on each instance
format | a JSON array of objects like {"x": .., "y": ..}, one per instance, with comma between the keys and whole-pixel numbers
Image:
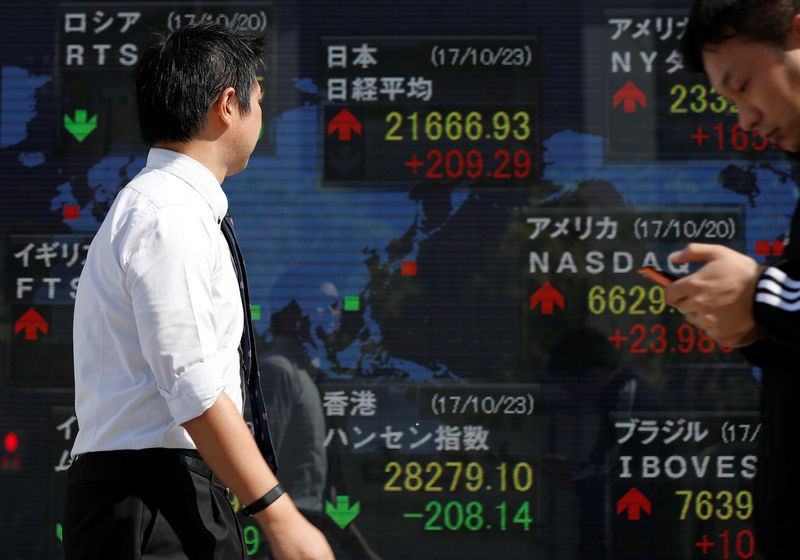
[{"x": 148, "y": 504}]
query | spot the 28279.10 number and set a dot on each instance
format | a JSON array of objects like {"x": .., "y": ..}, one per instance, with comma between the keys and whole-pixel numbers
[{"x": 453, "y": 476}]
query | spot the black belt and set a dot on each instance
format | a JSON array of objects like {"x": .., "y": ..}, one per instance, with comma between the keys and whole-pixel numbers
[{"x": 192, "y": 460}]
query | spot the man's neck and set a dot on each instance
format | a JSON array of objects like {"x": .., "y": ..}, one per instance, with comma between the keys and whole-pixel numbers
[{"x": 200, "y": 151}]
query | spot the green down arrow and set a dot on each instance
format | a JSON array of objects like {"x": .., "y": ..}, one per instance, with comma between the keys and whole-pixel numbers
[
  {"x": 80, "y": 127},
  {"x": 342, "y": 514}
]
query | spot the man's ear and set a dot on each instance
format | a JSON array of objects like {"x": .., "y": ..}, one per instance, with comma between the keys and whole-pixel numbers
[
  {"x": 793, "y": 36},
  {"x": 224, "y": 108}
]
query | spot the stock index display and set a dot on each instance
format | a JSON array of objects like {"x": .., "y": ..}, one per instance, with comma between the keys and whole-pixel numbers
[{"x": 442, "y": 221}]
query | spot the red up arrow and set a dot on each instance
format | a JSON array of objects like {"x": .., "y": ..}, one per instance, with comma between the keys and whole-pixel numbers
[
  {"x": 31, "y": 322},
  {"x": 629, "y": 95},
  {"x": 549, "y": 297},
  {"x": 344, "y": 123},
  {"x": 634, "y": 501}
]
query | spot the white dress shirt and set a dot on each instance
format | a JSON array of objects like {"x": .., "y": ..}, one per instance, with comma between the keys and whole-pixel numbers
[{"x": 158, "y": 315}]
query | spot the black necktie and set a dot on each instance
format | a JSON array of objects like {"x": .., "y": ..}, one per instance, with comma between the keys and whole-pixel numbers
[{"x": 252, "y": 377}]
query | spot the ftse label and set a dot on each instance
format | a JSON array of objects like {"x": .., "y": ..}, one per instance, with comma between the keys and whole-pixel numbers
[{"x": 42, "y": 273}]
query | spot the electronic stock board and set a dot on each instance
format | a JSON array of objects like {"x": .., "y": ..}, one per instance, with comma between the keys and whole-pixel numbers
[{"x": 442, "y": 222}]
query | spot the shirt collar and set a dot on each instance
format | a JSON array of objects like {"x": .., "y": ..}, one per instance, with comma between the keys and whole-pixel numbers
[{"x": 195, "y": 174}]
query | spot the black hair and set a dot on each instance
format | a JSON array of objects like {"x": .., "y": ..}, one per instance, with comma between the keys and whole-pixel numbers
[
  {"x": 713, "y": 21},
  {"x": 180, "y": 75}
]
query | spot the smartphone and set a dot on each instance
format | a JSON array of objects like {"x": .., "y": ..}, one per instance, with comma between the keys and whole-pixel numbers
[{"x": 660, "y": 277}]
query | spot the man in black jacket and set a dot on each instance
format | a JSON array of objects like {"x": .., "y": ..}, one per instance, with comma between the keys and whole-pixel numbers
[{"x": 750, "y": 51}]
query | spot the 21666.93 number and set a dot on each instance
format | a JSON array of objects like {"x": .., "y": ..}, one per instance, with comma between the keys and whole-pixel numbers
[{"x": 456, "y": 126}]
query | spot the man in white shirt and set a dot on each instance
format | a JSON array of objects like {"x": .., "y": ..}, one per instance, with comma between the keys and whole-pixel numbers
[{"x": 157, "y": 327}]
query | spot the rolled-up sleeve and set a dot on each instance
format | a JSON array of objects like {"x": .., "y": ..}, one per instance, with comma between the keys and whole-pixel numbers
[{"x": 170, "y": 275}]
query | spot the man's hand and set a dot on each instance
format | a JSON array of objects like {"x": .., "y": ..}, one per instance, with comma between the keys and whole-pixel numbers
[
  {"x": 291, "y": 536},
  {"x": 718, "y": 298}
]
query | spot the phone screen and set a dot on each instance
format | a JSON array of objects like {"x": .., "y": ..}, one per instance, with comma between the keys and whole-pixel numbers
[{"x": 660, "y": 277}]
